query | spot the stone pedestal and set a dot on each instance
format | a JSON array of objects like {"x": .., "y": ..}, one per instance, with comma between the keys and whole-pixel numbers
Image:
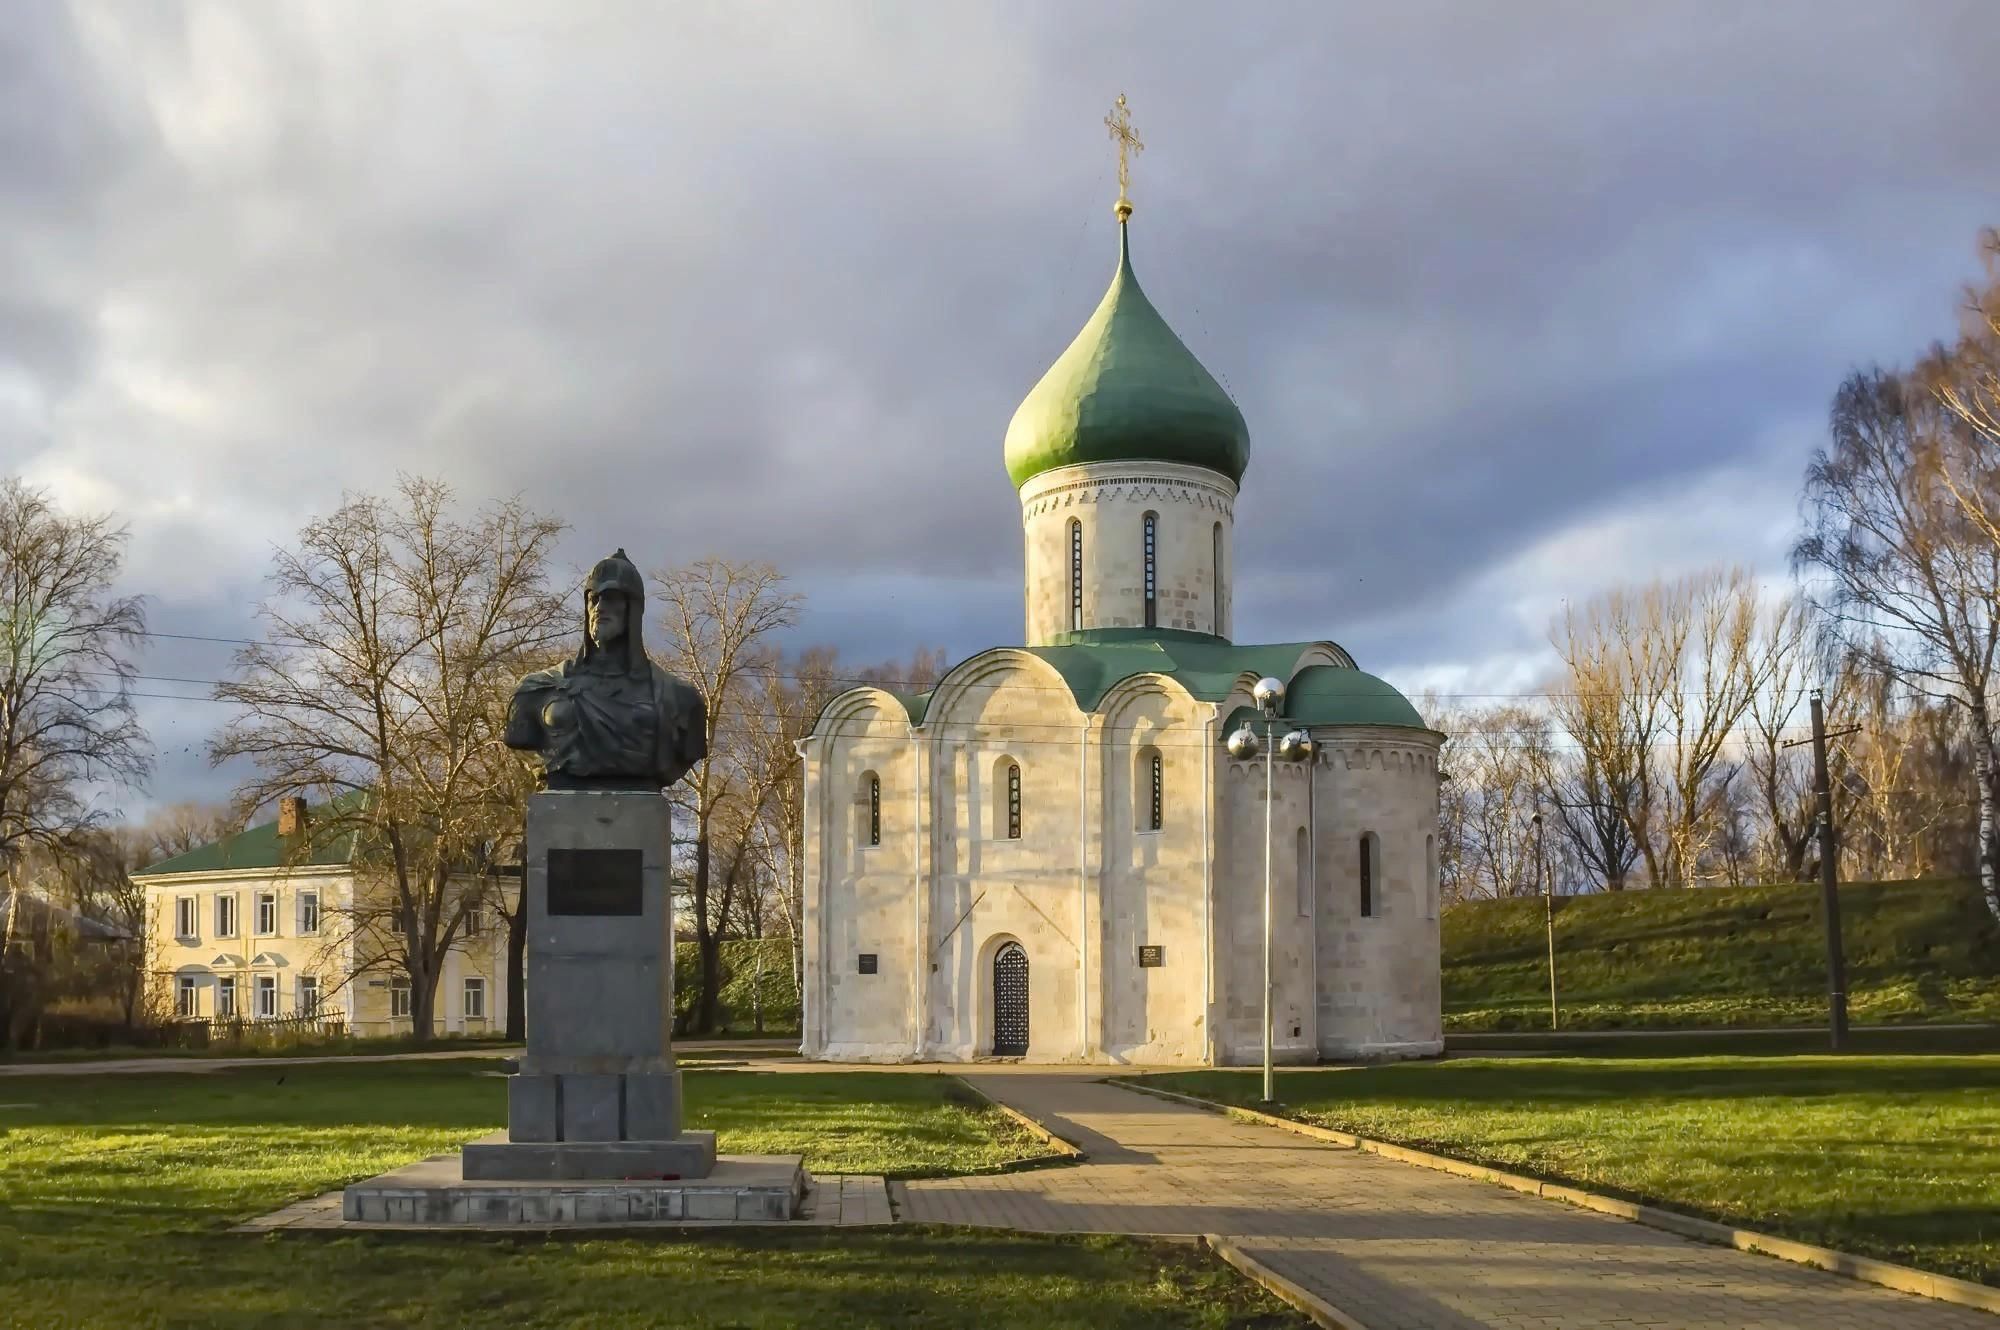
[{"x": 597, "y": 1095}]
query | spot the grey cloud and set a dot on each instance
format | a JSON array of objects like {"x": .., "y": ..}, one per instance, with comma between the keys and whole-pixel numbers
[{"x": 769, "y": 283}]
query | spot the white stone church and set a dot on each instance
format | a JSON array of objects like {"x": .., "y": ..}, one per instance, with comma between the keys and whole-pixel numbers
[{"x": 1051, "y": 855}]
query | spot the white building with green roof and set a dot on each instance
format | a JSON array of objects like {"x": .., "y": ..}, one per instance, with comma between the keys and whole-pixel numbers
[
  {"x": 279, "y": 922},
  {"x": 1052, "y": 855}
]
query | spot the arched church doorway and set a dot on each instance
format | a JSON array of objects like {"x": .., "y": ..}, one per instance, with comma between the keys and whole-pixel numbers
[{"x": 1010, "y": 1001}]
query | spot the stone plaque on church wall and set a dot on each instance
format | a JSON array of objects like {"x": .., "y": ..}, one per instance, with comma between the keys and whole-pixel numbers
[
  {"x": 1152, "y": 957},
  {"x": 595, "y": 882}
]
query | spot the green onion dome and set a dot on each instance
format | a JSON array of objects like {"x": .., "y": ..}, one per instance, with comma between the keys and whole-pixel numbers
[{"x": 1127, "y": 389}]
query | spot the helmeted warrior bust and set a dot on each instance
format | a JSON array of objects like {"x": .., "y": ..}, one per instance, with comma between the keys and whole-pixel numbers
[{"x": 608, "y": 718}]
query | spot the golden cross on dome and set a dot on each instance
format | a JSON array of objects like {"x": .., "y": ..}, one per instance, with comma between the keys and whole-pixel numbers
[{"x": 1119, "y": 122}]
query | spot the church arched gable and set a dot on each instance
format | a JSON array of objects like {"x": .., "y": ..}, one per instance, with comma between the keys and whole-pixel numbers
[
  {"x": 999, "y": 688},
  {"x": 1151, "y": 754},
  {"x": 864, "y": 710}
]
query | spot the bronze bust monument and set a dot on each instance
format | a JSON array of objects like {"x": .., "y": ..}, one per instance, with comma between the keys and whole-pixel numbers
[{"x": 608, "y": 718}]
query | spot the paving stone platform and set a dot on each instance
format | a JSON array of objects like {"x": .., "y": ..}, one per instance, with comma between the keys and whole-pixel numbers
[
  {"x": 831, "y": 1201},
  {"x": 433, "y": 1192},
  {"x": 1392, "y": 1245}
]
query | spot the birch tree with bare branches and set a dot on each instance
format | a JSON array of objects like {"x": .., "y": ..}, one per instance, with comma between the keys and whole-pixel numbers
[
  {"x": 1905, "y": 573},
  {"x": 391, "y": 638}
]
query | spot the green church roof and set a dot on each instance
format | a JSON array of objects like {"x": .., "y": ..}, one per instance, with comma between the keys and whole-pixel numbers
[
  {"x": 262, "y": 847},
  {"x": 1127, "y": 389},
  {"x": 1327, "y": 695},
  {"x": 1094, "y": 661}
]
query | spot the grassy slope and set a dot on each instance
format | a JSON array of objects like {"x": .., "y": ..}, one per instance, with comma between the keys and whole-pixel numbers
[
  {"x": 115, "y": 1190},
  {"x": 1740, "y": 956},
  {"x": 1888, "y": 1156}
]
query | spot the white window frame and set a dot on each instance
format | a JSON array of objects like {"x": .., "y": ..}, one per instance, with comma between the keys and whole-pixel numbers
[
  {"x": 187, "y": 918},
  {"x": 473, "y": 1001},
  {"x": 399, "y": 998},
  {"x": 309, "y": 913},
  {"x": 225, "y": 997},
  {"x": 225, "y": 912},
  {"x": 307, "y": 999},
  {"x": 187, "y": 994},
  {"x": 263, "y": 899},
  {"x": 265, "y": 996}
]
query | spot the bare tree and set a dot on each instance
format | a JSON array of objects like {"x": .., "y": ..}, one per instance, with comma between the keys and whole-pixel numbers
[
  {"x": 392, "y": 636},
  {"x": 1907, "y": 577},
  {"x": 176, "y": 829},
  {"x": 1587, "y": 814},
  {"x": 1658, "y": 679},
  {"x": 66, "y": 648},
  {"x": 718, "y": 619},
  {"x": 791, "y": 705},
  {"x": 1499, "y": 755},
  {"x": 1900, "y": 779},
  {"x": 1709, "y": 624},
  {"x": 1611, "y": 703},
  {"x": 1967, "y": 380},
  {"x": 1780, "y": 771}
]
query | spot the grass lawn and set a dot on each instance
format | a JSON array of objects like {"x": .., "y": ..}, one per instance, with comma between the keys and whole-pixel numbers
[
  {"x": 1923, "y": 950},
  {"x": 1888, "y": 1156},
  {"x": 115, "y": 1191},
  {"x": 1899, "y": 1039}
]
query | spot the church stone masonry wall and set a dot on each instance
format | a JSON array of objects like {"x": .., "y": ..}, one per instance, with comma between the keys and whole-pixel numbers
[
  {"x": 1378, "y": 991},
  {"x": 1152, "y": 886},
  {"x": 860, "y": 896},
  {"x": 1110, "y": 501},
  {"x": 989, "y": 889},
  {"x": 1239, "y": 917},
  {"x": 947, "y": 888}
]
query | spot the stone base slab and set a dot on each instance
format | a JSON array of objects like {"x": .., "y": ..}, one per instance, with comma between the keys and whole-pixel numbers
[
  {"x": 496, "y": 1159},
  {"x": 740, "y": 1189}
]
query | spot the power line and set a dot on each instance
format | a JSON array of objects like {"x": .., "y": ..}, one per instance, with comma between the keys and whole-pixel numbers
[{"x": 873, "y": 681}]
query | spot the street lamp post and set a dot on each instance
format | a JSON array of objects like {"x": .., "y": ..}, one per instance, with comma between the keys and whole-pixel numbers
[
  {"x": 1295, "y": 746},
  {"x": 1548, "y": 913}
]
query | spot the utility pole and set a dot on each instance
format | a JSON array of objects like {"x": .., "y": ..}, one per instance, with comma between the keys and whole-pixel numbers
[
  {"x": 1548, "y": 916},
  {"x": 1829, "y": 882}
]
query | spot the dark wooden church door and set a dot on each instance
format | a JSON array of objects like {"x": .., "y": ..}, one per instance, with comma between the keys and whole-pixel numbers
[{"x": 1010, "y": 1002}]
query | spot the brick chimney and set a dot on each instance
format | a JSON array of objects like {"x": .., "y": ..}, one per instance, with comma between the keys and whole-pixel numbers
[{"x": 291, "y": 815}]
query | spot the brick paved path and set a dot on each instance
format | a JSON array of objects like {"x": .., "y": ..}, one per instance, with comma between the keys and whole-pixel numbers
[{"x": 1395, "y": 1246}]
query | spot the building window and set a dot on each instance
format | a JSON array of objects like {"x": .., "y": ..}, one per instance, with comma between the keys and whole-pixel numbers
[
  {"x": 874, "y": 809},
  {"x": 1150, "y": 790},
  {"x": 308, "y": 913},
  {"x": 267, "y": 913},
  {"x": 475, "y": 919},
  {"x": 1075, "y": 575},
  {"x": 187, "y": 996},
  {"x": 267, "y": 996},
  {"x": 1152, "y": 570},
  {"x": 1430, "y": 877},
  {"x": 225, "y": 998},
  {"x": 475, "y": 999},
  {"x": 187, "y": 922},
  {"x": 1013, "y": 801},
  {"x": 1305, "y": 873},
  {"x": 1368, "y": 867},
  {"x": 308, "y": 996},
  {"x": 399, "y": 996},
  {"x": 225, "y": 915},
  {"x": 1215, "y": 567}
]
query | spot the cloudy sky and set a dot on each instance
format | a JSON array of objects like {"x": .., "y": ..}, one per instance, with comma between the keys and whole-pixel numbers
[{"x": 1519, "y": 300}]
